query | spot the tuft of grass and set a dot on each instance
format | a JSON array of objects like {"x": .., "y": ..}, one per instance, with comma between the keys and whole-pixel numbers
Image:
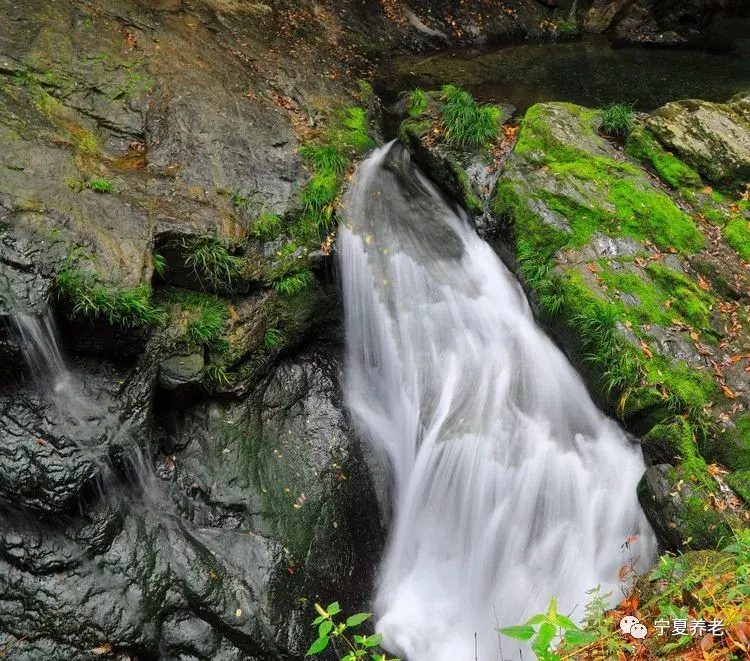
[
  {"x": 737, "y": 235},
  {"x": 416, "y": 103},
  {"x": 326, "y": 159},
  {"x": 618, "y": 119},
  {"x": 160, "y": 264},
  {"x": 273, "y": 338},
  {"x": 321, "y": 192},
  {"x": 208, "y": 326},
  {"x": 293, "y": 284},
  {"x": 91, "y": 299},
  {"x": 211, "y": 262},
  {"x": 240, "y": 201},
  {"x": 267, "y": 227},
  {"x": 101, "y": 185},
  {"x": 467, "y": 122},
  {"x": 216, "y": 376}
]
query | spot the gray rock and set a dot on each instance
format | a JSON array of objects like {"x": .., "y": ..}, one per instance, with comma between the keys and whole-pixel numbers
[
  {"x": 712, "y": 137},
  {"x": 178, "y": 371}
]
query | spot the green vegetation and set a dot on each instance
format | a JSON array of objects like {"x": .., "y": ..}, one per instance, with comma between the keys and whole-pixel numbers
[
  {"x": 618, "y": 119},
  {"x": 216, "y": 377},
  {"x": 240, "y": 201},
  {"x": 357, "y": 646},
  {"x": 273, "y": 338},
  {"x": 101, "y": 185},
  {"x": 90, "y": 298},
  {"x": 642, "y": 145},
  {"x": 160, "y": 264},
  {"x": 208, "y": 316},
  {"x": 211, "y": 262},
  {"x": 325, "y": 159},
  {"x": 712, "y": 585},
  {"x": 293, "y": 284},
  {"x": 267, "y": 227},
  {"x": 737, "y": 235},
  {"x": 416, "y": 103},
  {"x": 467, "y": 122}
]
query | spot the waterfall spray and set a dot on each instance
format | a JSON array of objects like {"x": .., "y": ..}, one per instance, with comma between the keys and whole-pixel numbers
[{"x": 510, "y": 486}]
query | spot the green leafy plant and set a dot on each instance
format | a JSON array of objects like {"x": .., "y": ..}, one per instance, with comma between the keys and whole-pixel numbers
[
  {"x": 267, "y": 227},
  {"x": 618, "y": 119},
  {"x": 543, "y": 629},
  {"x": 208, "y": 326},
  {"x": 293, "y": 284},
  {"x": 92, "y": 299},
  {"x": 211, "y": 262},
  {"x": 273, "y": 338},
  {"x": 467, "y": 122},
  {"x": 326, "y": 159},
  {"x": 240, "y": 201},
  {"x": 216, "y": 376},
  {"x": 416, "y": 102},
  {"x": 101, "y": 185},
  {"x": 332, "y": 630},
  {"x": 160, "y": 264}
]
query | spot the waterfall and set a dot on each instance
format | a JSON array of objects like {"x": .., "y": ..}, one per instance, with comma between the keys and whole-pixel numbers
[{"x": 510, "y": 486}]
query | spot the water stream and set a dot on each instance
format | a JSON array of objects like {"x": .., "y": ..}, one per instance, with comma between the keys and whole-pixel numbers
[{"x": 510, "y": 486}]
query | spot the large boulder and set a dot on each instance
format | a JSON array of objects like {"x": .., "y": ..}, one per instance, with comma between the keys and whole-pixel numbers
[{"x": 714, "y": 138}]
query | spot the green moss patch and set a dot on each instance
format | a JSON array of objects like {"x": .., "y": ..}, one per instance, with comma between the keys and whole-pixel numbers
[{"x": 642, "y": 145}]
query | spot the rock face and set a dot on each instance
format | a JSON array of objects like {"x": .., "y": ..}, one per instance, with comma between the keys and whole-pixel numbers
[
  {"x": 195, "y": 487},
  {"x": 714, "y": 138},
  {"x": 647, "y": 291}
]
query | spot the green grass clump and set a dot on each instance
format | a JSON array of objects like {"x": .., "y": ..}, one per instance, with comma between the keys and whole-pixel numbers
[
  {"x": 267, "y": 227},
  {"x": 91, "y": 299},
  {"x": 216, "y": 376},
  {"x": 160, "y": 264},
  {"x": 618, "y": 119},
  {"x": 293, "y": 284},
  {"x": 326, "y": 159},
  {"x": 273, "y": 338},
  {"x": 101, "y": 185},
  {"x": 320, "y": 192},
  {"x": 240, "y": 201},
  {"x": 737, "y": 235},
  {"x": 467, "y": 122},
  {"x": 208, "y": 316},
  {"x": 416, "y": 103},
  {"x": 642, "y": 145},
  {"x": 211, "y": 262}
]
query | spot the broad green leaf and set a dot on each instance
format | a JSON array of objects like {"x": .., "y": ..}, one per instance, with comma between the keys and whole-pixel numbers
[
  {"x": 349, "y": 657},
  {"x": 318, "y": 620},
  {"x": 334, "y": 608},
  {"x": 565, "y": 622},
  {"x": 521, "y": 632},
  {"x": 537, "y": 619},
  {"x": 373, "y": 641},
  {"x": 355, "y": 620},
  {"x": 546, "y": 633},
  {"x": 578, "y": 637},
  {"x": 325, "y": 628},
  {"x": 318, "y": 646}
]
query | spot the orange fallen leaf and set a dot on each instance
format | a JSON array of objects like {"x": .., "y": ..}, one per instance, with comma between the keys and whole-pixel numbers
[
  {"x": 646, "y": 350},
  {"x": 702, "y": 283},
  {"x": 591, "y": 268},
  {"x": 727, "y": 392}
]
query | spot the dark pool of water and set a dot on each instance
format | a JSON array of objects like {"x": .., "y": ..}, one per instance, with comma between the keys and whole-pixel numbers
[{"x": 590, "y": 72}]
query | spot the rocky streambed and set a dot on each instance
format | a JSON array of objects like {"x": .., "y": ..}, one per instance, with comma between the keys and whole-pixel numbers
[{"x": 170, "y": 175}]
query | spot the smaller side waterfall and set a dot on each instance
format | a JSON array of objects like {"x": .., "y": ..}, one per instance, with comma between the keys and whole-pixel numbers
[{"x": 510, "y": 486}]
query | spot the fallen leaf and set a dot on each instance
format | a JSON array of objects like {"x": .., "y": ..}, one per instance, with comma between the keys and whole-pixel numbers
[
  {"x": 646, "y": 350},
  {"x": 703, "y": 283},
  {"x": 106, "y": 648},
  {"x": 591, "y": 268},
  {"x": 727, "y": 392}
]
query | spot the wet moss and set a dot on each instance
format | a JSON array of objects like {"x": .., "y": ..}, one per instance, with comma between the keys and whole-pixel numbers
[
  {"x": 642, "y": 145},
  {"x": 737, "y": 235}
]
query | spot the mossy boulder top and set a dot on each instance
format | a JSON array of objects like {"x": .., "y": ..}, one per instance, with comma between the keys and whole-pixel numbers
[{"x": 714, "y": 138}]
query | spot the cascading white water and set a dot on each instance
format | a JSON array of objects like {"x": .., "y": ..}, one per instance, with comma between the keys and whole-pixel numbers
[{"x": 510, "y": 485}]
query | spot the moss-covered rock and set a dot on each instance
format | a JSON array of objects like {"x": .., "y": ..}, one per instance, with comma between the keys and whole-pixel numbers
[
  {"x": 714, "y": 138},
  {"x": 676, "y": 502}
]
